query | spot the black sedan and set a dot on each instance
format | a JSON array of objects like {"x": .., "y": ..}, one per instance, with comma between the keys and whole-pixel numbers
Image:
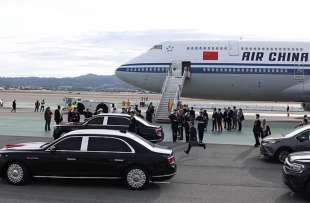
[
  {"x": 95, "y": 154},
  {"x": 113, "y": 121},
  {"x": 296, "y": 172}
]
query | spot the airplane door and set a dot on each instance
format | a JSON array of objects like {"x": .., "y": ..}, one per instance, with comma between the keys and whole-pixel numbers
[
  {"x": 186, "y": 68},
  {"x": 299, "y": 74}
]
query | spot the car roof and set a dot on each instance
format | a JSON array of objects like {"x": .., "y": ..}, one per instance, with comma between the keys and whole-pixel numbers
[
  {"x": 113, "y": 114},
  {"x": 101, "y": 132}
]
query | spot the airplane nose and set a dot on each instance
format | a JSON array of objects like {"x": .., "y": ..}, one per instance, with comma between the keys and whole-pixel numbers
[{"x": 119, "y": 71}]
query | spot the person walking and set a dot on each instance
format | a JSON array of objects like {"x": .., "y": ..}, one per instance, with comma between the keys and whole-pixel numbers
[
  {"x": 257, "y": 130},
  {"x": 75, "y": 115},
  {"x": 42, "y": 105},
  {"x": 265, "y": 129},
  {"x": 48, "y": 117},
  {"x": 174, "y": 126},
  {"x": 214, "y": 121},
  {"x": 14, "y": 106},
  {"x": 200, "y": 126},
  {"x": 57, "y": 116},
  {"x": 132, "y": 123},
  {"x": 288, "y": 110},
  {"x": 193, "y": 139},
  {"x": 240, "y": 119},
  {"x": 186, "y": 126}
]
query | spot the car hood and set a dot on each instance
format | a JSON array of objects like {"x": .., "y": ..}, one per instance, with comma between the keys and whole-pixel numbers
[
  {"x": 24, "y": 146},
  {"x": 300, "y": 156},
  {"x": 275, "y": 137}
]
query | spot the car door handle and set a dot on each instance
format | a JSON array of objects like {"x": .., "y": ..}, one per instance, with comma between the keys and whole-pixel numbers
[
  {"x": 71, "y": 159},
  {"x": 118, "y": 160}
]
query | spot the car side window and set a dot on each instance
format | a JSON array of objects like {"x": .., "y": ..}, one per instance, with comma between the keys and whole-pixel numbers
[
  {"x": 107, "y": 145},
  {"x": 96, "y": 121},
  {"x": 118, "y": 121},
  {"x": 72, "y": 144},
  {"x": 304, "y": 136}
]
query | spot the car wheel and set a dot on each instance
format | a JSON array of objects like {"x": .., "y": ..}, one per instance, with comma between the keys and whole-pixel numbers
[
  {"x": 17, "y": 174},
  {"x": 136, "y": 178},
  {"x": 282, "y": 154}
]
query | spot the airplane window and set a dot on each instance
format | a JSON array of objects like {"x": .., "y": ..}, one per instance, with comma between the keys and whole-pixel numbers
[
  {"x": 221, "y": 48},
  {"x": 225, "y": 48},
  {"x": 216, "y": 48},
  {"x": 284, "y": 49},
  {"x": 275, "y": 49},
  {"x": 200, "y": 48},
  {"x": 258, "y": 49},
  {"x": 246, "y": 48},
  {"x": 254, "y": 48},
  {"x": 288, "y": 49},
  {"x": 212, "y": 48},
  {"x": 300, "y": 49},
  {"x": 250, "y": 48},
  {"x": 159, "y": 46},
  {"x": 241, "y": 48},
  {"x": 267, "y": 49},
  {"x": 280, "y": 49},
  {"x": 263, "y": 48},
  {"x": 187, "y": 48},
  {"x": 271, "y": 49},
  {"x": 208, "y": 48},
  {"x": 204, "y": 48},
  {"x": 293, "y": 49}
]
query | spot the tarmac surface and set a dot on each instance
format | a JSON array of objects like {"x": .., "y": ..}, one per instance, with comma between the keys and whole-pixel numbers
[{"x": 221, "y": 173}]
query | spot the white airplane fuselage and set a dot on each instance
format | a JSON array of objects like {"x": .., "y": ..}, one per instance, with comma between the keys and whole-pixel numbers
[{"x": 227, "y": 70}]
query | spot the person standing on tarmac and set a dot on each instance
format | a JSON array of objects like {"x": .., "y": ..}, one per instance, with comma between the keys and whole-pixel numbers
[
  {"x": 132, "y": 123},
  {"x": 180, "y": 117},
  {"x": 192, "y": 114},
  {"x": 234, "y": 118},
  {"x": 257, "y": 130},
  {"x": 14, "y": 106},
  {"x": 229, "y": 118},
  {"x": 214, "y": 121},
  {"x": 240, "y": 119},
  {"x": 42, "y": 105},
  {"x": 193, "y": 139},
  {"x": 219, "y": 120},
  {"x": 225, "y": 115},
  {"x": 200, "y": 126},
  {"x": 57, "y": 116},
  {"x": 174, "y": 126},
  {"x": 48, "y": 117}
]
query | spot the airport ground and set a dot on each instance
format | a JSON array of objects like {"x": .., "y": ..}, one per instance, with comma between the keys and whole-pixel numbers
[{"x": 229, "y": 170}]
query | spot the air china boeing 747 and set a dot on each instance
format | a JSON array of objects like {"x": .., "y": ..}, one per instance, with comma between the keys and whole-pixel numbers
[{"x": 227, "y": 70}]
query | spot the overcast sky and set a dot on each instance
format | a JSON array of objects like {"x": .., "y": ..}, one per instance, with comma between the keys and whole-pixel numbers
[{"x": 75, "y": 37}]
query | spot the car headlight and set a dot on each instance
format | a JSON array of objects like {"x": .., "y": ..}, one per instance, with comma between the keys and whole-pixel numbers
[
  {"x": 294, "y": 167},
  {"x": 269, "y": 142}
]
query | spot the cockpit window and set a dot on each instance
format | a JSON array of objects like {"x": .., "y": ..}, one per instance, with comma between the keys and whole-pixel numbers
[{"x": 159, "y": 46}]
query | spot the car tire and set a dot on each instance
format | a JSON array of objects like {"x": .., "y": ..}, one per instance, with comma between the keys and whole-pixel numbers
[
  {"x": 282, "y": 154},
  {"x": 136, "y": 178},
  {"x": 17, "y": 173}
]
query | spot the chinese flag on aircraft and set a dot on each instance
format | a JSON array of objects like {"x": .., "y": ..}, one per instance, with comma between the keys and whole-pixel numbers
[{"x": 211, "y": 55}]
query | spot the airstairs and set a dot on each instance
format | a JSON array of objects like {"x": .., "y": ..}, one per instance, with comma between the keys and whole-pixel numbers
[{"x": 171, "y": 92}]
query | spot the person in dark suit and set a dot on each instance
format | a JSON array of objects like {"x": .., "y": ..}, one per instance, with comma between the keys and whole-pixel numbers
[
  {"x": 174, "y": 125},
  {"x": 214, "y": 121},
  {"x": 257, "y": 130},
  {"x": 132, "y": 123},
  {"x": 57, "y": 116},
  {"x": 193, "y": 139},
  {"x": 200, "y": 126},
  {"x": 219, "y": 120}
]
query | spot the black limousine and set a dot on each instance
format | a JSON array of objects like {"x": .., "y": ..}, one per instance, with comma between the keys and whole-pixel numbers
[
  {"x": 113, "y": 121},
  {"x": 94, "y": 154}
]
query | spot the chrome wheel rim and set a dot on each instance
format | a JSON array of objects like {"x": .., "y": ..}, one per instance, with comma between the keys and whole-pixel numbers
[
  {"x": 15, "y": 173},
  {"x": 136, "y": 178},
  {"x": 283, "y": 155}
]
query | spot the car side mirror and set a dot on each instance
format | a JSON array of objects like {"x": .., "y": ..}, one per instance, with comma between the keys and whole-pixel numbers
[
  {"x": 52, "y": 148},
  {"x": 301, "y": 138}
]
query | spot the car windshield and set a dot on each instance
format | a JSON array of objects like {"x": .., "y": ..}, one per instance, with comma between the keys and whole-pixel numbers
[
  {"x": 296, "y": 131},
  {"x": 144, "y": 122},
  {"x": 44, "y": 145}
]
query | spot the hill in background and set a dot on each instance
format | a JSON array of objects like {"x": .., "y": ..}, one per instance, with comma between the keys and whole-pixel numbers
[{"x": 89, "y": 82}]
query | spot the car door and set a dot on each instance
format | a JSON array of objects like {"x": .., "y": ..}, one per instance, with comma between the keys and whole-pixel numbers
[
  {"x": 61, "y": 159},
  {"x": 96, "y": 123},
  {"x": 106, "y": 157},
  {"x": 117, "y": 123},
  {"x": 303, "y": 142}
]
